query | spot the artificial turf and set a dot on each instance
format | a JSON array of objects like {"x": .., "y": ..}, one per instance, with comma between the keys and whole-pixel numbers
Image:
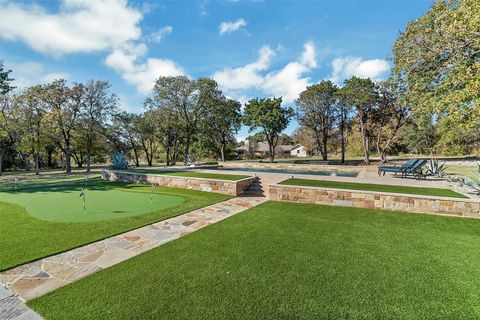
[
  {"x": 374, "y": 187},
  {"x": 57, "y": 223},
  {"x": 61, "y": 201},
  {"x": 191, "y": 174},
  {"x": 292, "y": 261}
]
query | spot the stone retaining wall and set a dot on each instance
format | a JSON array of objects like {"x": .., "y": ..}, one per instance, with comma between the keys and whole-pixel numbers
[
  {"x": 233, "y": 188},
  {"x": 291, "y": 166},
  {"x": 376, "y": 200}
]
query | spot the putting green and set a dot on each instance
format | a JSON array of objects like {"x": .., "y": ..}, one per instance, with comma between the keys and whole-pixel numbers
[{"x": 61, "y": 202}]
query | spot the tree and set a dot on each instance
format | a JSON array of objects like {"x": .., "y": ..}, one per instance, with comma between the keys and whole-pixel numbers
[
  {"x": 187, "y": 98},
  {"x": 167, "y": 131},
  {"x": 390, "y": 115},
  {"x": 5, "y": 80},
  {"x": 32, "y": 111},
  {"x": 361, "y": 95},
  {"x": 98, "y": 108},
  {"x": 8, "y": 132},
  {"x": 316, "y": 110},
  {"x": 269, "y": 116},
  {"x": 145, "y": 132},
  {"x": 223, "y": 122},
  {"x": 124, "y": 124},
  {"x": 438, "y": 57},
  {"x": 343, "y": 114},
  {"x": 64, "y": 105}
]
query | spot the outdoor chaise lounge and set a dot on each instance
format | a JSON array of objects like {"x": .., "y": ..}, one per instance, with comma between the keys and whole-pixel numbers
[{"x": 411, "y": 167}]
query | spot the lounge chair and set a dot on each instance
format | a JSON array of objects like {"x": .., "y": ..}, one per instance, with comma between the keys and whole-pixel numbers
[
  {"x": 410, "y": 168},
  {"x": 396, "y": 168},
  {"x": 416, "y": 170}
]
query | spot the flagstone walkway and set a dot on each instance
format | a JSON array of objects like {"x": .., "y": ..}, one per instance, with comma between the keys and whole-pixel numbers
[{"x": 39, "y": 277}]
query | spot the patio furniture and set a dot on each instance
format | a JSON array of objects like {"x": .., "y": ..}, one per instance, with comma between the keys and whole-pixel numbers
[
  {"x": 396, "y": 168},
  {"x": 410, "y": 168}
]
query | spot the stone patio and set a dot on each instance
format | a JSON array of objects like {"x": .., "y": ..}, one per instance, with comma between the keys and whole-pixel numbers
[{"x": 39, "y": 277}]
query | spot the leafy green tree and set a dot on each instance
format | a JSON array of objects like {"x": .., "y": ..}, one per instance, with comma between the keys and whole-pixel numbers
[
  {"x": 64, "y": 106},
  {"x": 32, "y": 112},
  {"x": 98, "y": 108},
  {"x": 168, "y": 132},
  {"x": 316, "y": 110},
  {"x": 188, "y": 99},
  {"x": 146, "y": 134},
  {"x": 420, "y": 134},
  {"x": 124, "y": 130},
  {"x": 389, "y": 116},
  {"x": 438, "y": 56},
  {"x": 360, "y": 94},
  {"x": 270, "y": 117},
  {"x": 343, "y": 112},
  {"x": 222, "y": 123},
  {"x": 7, "y": 132},
  {"x": 8, "y": 127},
  {"x": 5, "y": 80}
]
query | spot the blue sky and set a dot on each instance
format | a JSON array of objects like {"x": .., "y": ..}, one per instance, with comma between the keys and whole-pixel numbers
[{"x": 252, "y": 48}]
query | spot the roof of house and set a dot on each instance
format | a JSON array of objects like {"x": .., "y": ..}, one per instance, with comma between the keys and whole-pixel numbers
[
  {"x": 297, "y": 146},
  {"x": 263, "y": 147},
  {"x": 241, "y": 148}
]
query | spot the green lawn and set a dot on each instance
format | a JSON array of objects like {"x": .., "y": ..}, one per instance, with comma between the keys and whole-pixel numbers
[
  {"x": 45, "y": 217},
  {"x": 466, "y": 171},
  {"x": 191, "y": 174},
  {"x": 292, "y": 261},
  {"x": 373, "y": 187}
]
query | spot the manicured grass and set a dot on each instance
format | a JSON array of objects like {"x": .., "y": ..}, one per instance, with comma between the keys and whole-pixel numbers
[
  {"x": 467, "y": 171},
  {"x": 373, "y": 187},
  {"x": 61, "y": 201},
  {"x": 36, "y": 225},
  {"x": 192, "y": 174},
  {"x": 292, "y": 261}
]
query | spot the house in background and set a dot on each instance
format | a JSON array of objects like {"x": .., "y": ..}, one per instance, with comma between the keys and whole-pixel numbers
[
  {"x": 260, "y": 149},
  {"x": 298, "y": 151}
]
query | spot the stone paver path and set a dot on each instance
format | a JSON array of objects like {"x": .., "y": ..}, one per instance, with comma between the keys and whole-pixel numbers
[
  {"x": 12, "y": 308},
  {"x": 39, "y": 277}
]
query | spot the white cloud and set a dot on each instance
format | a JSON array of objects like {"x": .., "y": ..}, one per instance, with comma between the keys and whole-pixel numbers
[
  {"x": 79, "y": 26},
  {"x": 128, "y": 62},
  {"x": 345, "y": 68},
  {"x": 31, "y": 73},
  {"x": 231, "y": 26},
  {"x": 161, "y": 33},
  {"x": 86, "y": 26},
  {"x": 287, "y": 81},
  {"x": 247, "y": 76}
]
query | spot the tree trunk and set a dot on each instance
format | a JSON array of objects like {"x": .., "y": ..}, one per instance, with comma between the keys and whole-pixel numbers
[
  {"x": 324, "y": 146},
  {"x": 167, "y": 154},
  {"x": 363, "y": 131},
  {"x": 342, "y": 142},
  {"x": 68, "y": 156},
  {"x": 2, "y": 152},
  {"x": 37, "y": 163},
  {"x": 135, "y": 153},
  {"x": 222, "y": 152},
  {"x": 271, "y": 151},
  {"x": 187, "y": 149},
  {"x": 89, "y": 152}
]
